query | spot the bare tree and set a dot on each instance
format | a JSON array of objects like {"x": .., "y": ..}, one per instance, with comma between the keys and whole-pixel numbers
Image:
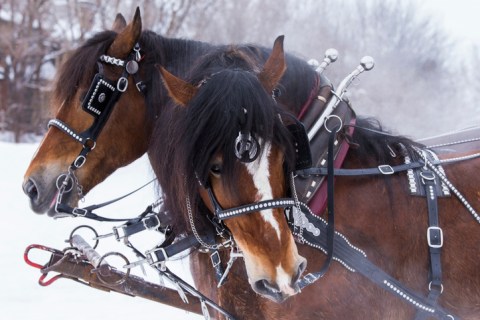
[{"x": 415, "y": 74}]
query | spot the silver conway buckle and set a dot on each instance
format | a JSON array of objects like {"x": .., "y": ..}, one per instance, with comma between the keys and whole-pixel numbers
[
  {"x": 79, "y": 212},
  {"x": 435, "y": 234},
  {"x": 386, "y": 169}
]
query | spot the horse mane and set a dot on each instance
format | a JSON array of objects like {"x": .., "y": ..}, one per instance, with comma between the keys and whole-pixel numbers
[
  {"x": 81, "y": 66},
  {"x": 230, "y": 99},
  {"x": 372, "y": 142}
]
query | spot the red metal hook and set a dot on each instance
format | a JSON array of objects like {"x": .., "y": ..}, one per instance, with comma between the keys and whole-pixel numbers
[{"x": 41, "y": 280}]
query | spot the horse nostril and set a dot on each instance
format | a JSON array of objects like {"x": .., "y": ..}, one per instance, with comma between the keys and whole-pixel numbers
[
  {"x": 30, "y": 189},
  {"x": 265, "y": 287}
]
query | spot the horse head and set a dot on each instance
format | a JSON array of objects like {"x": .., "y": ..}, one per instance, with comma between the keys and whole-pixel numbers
[
  {"x": 227, "y": 147},
  {"x": 96, "y": 83}
]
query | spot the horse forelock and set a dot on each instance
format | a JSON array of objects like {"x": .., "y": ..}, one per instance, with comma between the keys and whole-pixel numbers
[{"x": 230, "y": 102}]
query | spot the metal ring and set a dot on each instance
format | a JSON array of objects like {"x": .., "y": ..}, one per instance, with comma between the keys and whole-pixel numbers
[
  {"x": 89, "y": 141},
  {"x": 430, "y": 287},
  {"x": 333, "y": 116},
  {"x": 80, "y": 227},
  {"x": 59, "y": 183},
  {"x": 99, "y": 271}
]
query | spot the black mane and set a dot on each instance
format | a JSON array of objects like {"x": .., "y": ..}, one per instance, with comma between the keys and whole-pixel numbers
[
  {"x": 374, "y": 145},
  {"x": 81, "y": 66}
]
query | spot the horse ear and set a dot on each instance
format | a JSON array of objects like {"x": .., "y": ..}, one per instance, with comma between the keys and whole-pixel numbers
[
  {"x": 180, "y": 91},
  {"x": 126, "y": 39},
  {"x": 274, "y": 67},
  {"x": 119, "y": 24}
]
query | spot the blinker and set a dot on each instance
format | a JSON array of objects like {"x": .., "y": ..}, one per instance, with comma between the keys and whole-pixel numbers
[
  {"x": 98, "y": 96},
  {"x": 303, "y": 154}
]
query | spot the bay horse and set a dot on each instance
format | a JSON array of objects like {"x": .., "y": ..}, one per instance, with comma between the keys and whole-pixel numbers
[
  {"x": 224, "y": 133},
  {"x": 376, "y": 214}
]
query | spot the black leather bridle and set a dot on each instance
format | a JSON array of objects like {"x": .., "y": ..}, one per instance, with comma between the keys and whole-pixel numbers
[{"x": 99, "y": 102}]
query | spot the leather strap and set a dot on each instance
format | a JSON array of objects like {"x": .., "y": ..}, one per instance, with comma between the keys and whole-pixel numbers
[
  {"x": 356, "y": 260},
  {"x": 434, "y": 239}
]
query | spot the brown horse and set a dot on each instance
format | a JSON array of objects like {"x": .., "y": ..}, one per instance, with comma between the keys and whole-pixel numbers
[
  {"x": 227, "y": 135},
  {"x": 376, "y": 214}
]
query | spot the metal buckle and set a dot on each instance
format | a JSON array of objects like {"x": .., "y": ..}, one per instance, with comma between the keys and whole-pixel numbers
[
  {"x": 431, "y": 237},
  {"x": 386, "y": 169},
  {"x": 152, "y": 258},
  {"x": 153, "y": 227},
  {"x": 79, "y": 212},
  {"x": 117, "y": 235}
]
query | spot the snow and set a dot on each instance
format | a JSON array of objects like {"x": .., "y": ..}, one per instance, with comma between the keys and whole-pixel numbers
[{"x": 20, "y": 295}]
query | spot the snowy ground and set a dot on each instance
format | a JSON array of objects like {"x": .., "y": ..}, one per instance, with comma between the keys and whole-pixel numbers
[{"x": 20, "y": 295}]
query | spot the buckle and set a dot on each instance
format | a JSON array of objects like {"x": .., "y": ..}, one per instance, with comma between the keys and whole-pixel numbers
[
  {"x": 79, "y": 212},
  {"x": 148, "y": 219},
  {"x": 386, "y": 169},
  {"x": 435, "y": 237},
  {"x": 117, "y": 235},
  {"x": 152, "y": 257}
]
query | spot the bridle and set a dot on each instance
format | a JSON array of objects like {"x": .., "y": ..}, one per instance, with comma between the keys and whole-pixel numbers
[{"x": 99, "y": 102}]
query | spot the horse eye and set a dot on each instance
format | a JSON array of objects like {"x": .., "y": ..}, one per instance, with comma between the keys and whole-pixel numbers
[{"x": 216, "y": 169}]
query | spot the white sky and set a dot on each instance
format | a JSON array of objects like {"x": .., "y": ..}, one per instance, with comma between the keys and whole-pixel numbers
[{"x": 460, "y": 17}]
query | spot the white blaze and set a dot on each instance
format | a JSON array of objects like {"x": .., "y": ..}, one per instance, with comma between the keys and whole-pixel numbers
[{"x": 260, "y": 171}]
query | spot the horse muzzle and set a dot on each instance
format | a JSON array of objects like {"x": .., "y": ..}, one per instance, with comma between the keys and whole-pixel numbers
[{"x": 281, "y": 289}]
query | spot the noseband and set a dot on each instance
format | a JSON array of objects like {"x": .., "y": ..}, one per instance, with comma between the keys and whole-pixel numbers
[{"x": 99, "y": 102}]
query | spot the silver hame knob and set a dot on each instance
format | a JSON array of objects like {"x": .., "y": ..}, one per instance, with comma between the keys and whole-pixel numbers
[
  {"x": 331, "y": 54},
  {"x": 367, "y": 63}
]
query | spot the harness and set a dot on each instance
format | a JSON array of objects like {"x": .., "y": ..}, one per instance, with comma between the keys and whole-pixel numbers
[
  {"x": 99, "y": 102},
  {"x": 309, "y": 228}
]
